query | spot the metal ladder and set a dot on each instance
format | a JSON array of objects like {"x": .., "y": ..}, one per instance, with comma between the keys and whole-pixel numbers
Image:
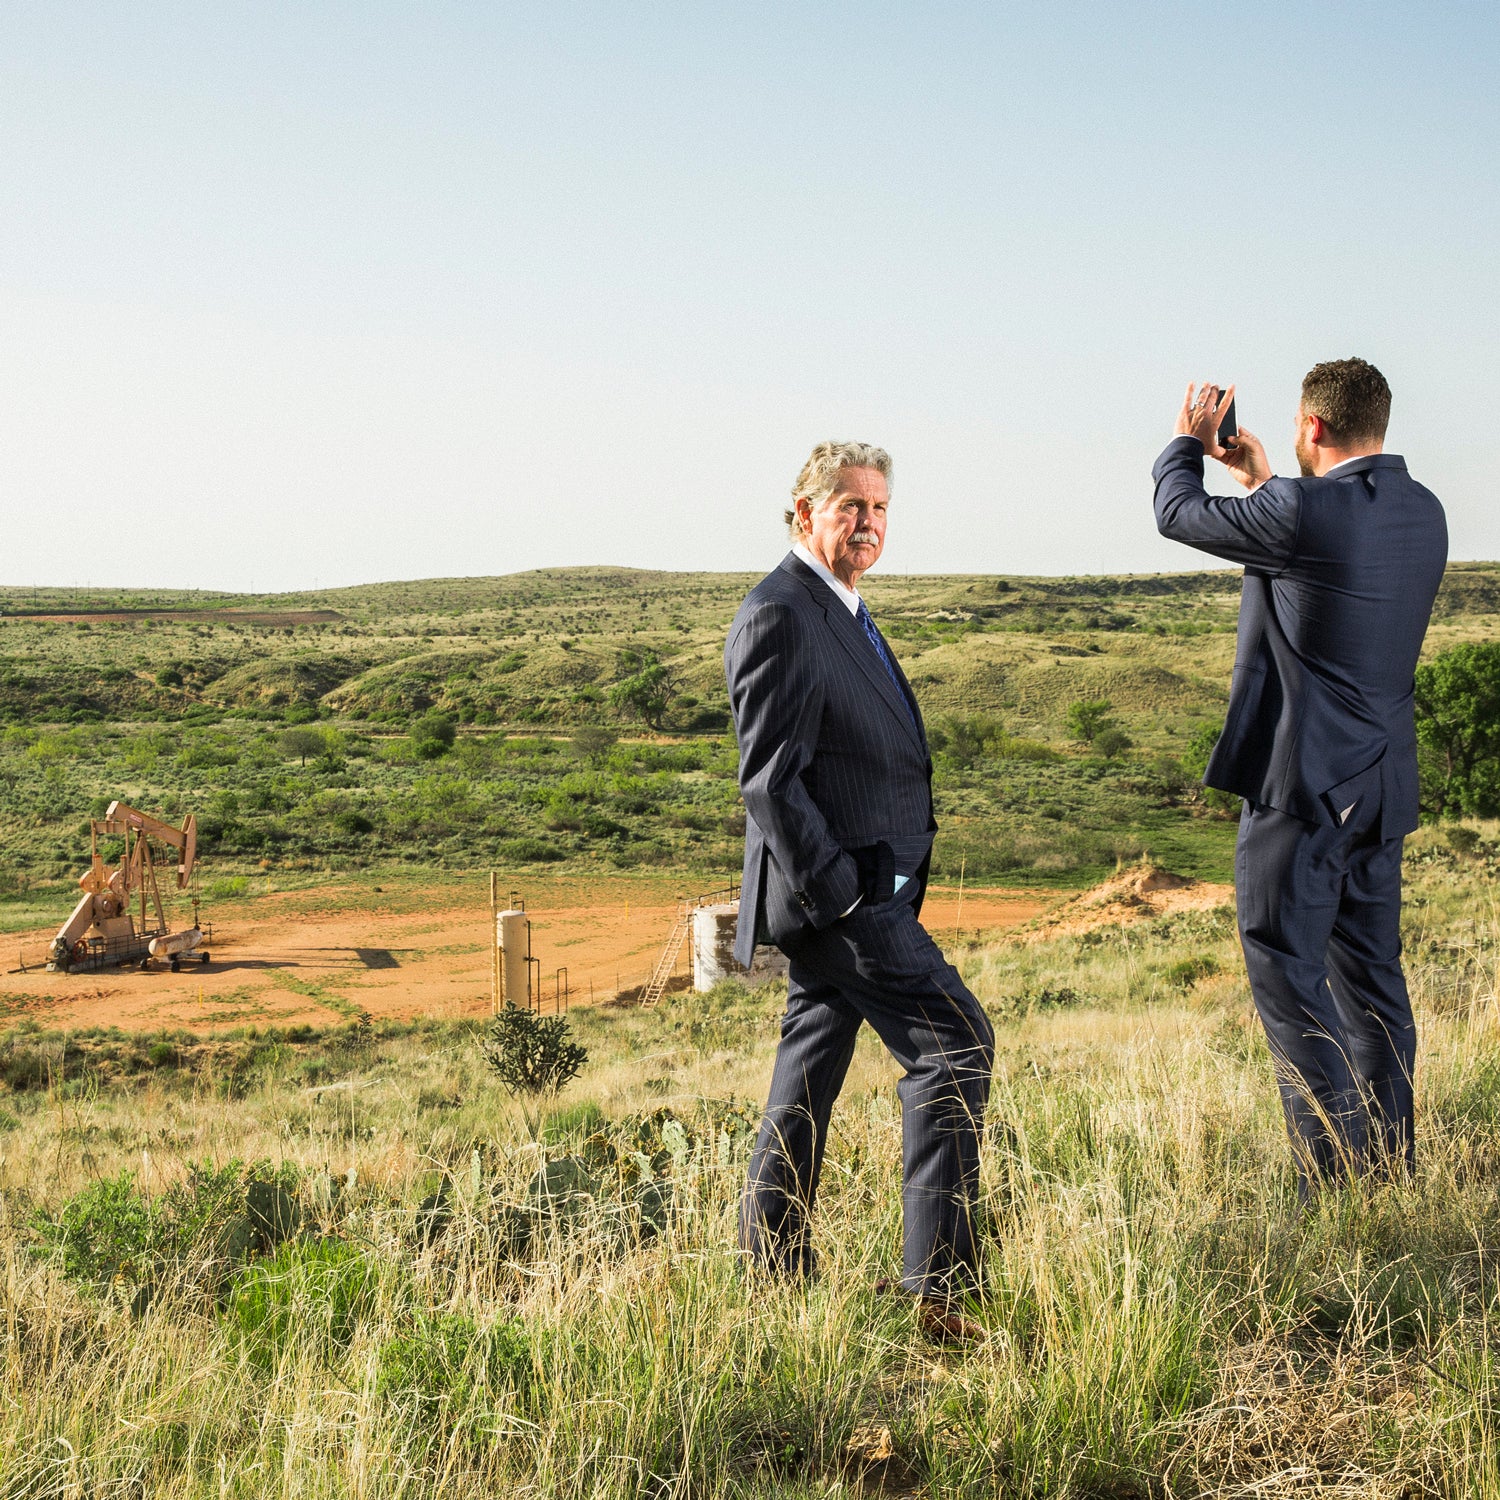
[{"x": 666, "y": 965}]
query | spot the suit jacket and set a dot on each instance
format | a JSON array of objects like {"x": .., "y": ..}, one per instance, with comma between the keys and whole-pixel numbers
[
  {"x": 834, "y": 766},
  {"x": 1340, "y": 575}
]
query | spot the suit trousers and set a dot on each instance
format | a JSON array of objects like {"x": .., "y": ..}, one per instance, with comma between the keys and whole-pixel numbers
[
  {"x": 878, "y": 965},
  {"x": 1319, "y": 919}
]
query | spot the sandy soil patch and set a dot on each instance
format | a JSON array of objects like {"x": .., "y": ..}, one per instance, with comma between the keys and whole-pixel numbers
[
  {"x": 330, "y": 954},
  {"x": 1131, "y": 896}
]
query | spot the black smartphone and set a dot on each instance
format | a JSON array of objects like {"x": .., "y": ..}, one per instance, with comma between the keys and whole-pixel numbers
[{"x": 1227, "y": 428}]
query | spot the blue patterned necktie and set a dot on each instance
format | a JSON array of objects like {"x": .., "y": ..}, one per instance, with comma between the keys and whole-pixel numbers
[{"x": 868, "y": 626}]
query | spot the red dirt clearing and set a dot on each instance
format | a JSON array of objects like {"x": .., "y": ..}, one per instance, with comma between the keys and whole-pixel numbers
[{"x": 324, "y": 955}]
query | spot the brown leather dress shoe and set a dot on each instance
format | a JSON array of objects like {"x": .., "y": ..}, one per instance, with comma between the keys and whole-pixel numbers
[
  {"x": 946, "y": 1325},
  {"x": 938, "y": 1321}
]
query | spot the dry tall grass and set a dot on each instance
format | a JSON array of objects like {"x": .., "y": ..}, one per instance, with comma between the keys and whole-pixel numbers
[{"x": 1164, "y": 1319}]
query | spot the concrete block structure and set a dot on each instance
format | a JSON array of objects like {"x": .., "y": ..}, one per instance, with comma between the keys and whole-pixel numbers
[{"x": 713, "y": 950}]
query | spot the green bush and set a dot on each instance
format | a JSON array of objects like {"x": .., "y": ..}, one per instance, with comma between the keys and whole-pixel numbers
[
  {"x": 593, "y": 742},
  {"x": 961, "y": 741},
  {"x": 573, "y": 1122},
  {"x": 1017, "y": 747},
  {"x": 433, "y": 736},
  {"x": 445, "y": 1361},
  {"x": 104, "y": 1234},
  {"x": 1463, "y": 840},
  {"x": 645, "y": 687},
  {"x": 112, "y": 1234},
  {"x": 1458, "y": 729},
  {"x": 530, "y": 851},
  {"x": 311, "y": 1295},
  {"x": 1089, "y": 718},
  {"x": 1186, "y": 972},
  {"x": 23, "y": 1068},
  {"x": 1195, "y": 761},
  {"x": 531, "y": 1054},
  {"x": 302, "y": 742}
]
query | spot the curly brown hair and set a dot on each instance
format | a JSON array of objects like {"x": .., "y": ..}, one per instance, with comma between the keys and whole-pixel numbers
[{"x": 1352, "y": 398}]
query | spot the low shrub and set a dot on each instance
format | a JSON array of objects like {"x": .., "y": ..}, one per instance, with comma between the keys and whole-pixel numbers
[
  {"x": 573, "y": 1122},
  {"x": 311, "y": 1296},
  {"x": 531, "y": 851},
  {"x": 444, "y": 1361},
  {"x": 112, "y": 1236},
  {"x": 531, "y": 1054},
  {"x": 23, "y": 1068},
  {"x": 104, "y": 1234},
  {"x": 1186, "y": 972}
]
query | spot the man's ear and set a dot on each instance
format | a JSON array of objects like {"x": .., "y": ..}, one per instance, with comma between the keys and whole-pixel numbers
[{"x": 1317, "y": 429}]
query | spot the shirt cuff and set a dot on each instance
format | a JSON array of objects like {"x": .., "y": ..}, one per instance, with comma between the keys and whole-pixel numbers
[{"x": 900, "y": 881}]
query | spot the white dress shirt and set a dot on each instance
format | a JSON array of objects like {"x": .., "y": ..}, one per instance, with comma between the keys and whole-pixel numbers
[{"x": 847, "y": 596}]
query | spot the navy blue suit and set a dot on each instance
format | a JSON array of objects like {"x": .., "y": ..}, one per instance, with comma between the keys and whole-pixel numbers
[
  {"x": 837, "y": 783},
  {"x": 1340, "y": 575}
]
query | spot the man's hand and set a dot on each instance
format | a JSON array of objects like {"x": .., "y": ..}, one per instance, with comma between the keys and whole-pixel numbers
[
  {"x": 1244, "y": 455},
  {"x": 1245, "y": 458},
  {"x": 1201, "y": 414}
]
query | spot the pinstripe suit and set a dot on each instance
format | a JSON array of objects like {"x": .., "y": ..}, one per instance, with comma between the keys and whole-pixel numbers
[
  {"x": 1340, "y": 574},
  {"x": 837, "y": 784}
]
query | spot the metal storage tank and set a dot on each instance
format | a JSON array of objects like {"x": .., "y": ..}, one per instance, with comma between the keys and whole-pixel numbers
[{"x": 513, "y": 938}]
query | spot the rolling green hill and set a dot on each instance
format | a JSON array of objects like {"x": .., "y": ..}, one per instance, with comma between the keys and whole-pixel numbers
[{"x": 181, "y": 700}]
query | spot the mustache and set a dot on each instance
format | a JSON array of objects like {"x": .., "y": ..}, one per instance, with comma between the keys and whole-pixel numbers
[{"x": 865, "y": 536}]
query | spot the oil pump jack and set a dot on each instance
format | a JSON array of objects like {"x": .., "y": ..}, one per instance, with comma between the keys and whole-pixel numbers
[{"x": 103, "y": 928}]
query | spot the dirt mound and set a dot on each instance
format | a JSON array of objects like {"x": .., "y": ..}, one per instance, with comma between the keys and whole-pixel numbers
[{"x": 1140, "y": 892}]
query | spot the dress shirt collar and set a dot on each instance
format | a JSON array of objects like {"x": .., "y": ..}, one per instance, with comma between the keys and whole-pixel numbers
[
  {"x": 1328, "y": 473},
  {"x": 848, "y": 597}
]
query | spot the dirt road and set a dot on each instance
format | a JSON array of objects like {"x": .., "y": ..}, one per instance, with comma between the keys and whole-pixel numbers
[{"x": 322, "y": 955}]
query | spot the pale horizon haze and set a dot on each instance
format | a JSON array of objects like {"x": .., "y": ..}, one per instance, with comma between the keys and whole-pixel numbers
[{"x": 326, "y": 294}]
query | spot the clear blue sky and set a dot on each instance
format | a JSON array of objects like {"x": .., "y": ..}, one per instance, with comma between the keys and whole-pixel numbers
[{"x": 296, "y": 293}]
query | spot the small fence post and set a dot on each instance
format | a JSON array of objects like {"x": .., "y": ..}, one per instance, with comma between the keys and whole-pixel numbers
[{"x": 494, "y": 946}]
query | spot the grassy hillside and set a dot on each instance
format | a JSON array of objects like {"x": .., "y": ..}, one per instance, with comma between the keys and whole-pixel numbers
[
  {"x": 344, "y": 1263},
  {"x": 181, "y": 701}
]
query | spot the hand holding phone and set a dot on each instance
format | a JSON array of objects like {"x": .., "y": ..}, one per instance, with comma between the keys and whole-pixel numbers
[{"x": 1203, "y": 416}]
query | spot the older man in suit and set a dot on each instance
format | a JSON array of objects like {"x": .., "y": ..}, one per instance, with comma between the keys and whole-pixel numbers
[
  {"x": 1341, "y": 568},
  {"x": 837, "y": 782}
]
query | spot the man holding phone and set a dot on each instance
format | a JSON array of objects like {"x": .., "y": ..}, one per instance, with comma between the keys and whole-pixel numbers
[{"x": 1341, "y": 568}]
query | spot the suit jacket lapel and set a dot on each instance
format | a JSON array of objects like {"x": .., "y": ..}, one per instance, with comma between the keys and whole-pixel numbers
[{"x": 851, "y": 636}]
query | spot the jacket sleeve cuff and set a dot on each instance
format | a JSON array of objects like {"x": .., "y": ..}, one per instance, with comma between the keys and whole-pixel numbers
[
  {"x": 835, "y": 892},
  {"x": 1182, "y": 451}
]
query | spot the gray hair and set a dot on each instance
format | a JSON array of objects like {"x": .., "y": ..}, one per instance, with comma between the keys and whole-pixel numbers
[{"x": 820, "y": 474}]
